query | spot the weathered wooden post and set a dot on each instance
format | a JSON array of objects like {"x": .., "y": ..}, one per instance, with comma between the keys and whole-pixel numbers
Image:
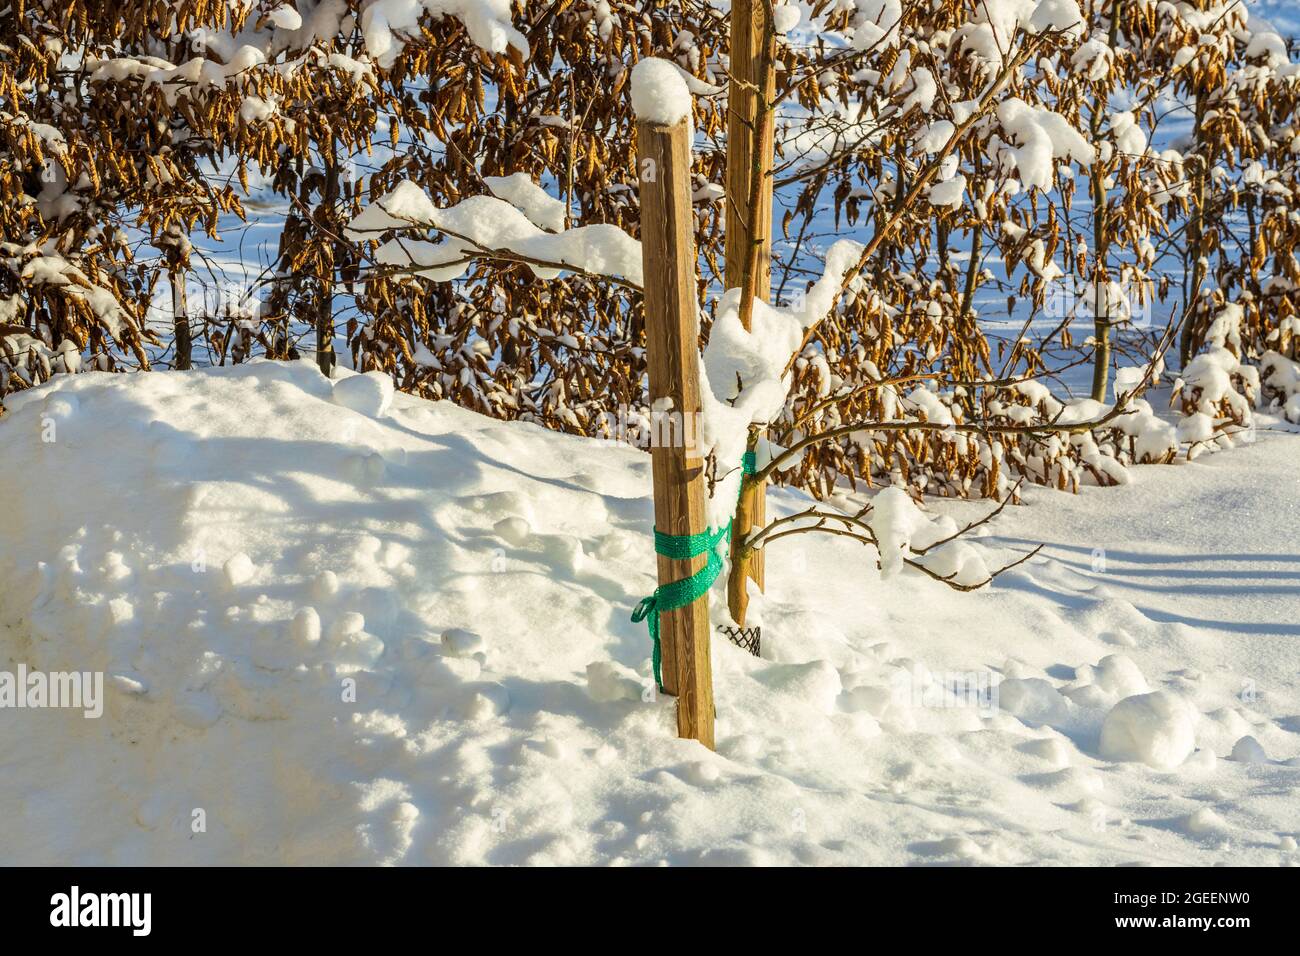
[
  {"x": 749, "y": 232},
  {"x": 672, "y": 345}
]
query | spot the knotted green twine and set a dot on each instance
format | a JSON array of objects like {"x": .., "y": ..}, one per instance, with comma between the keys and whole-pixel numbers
[{"x": 683, "y": 547}]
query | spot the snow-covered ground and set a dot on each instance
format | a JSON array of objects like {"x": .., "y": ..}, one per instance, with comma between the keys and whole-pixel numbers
[{"x": 351, "y": 627}]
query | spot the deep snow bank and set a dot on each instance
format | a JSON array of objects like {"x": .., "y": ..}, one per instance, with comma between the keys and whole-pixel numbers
[{"x": 349, "y": 626}]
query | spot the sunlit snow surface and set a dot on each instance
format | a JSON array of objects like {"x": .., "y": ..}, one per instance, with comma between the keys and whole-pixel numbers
[
  {"x": 354, "y": 627},
  {"x": 232, "y": 546}
]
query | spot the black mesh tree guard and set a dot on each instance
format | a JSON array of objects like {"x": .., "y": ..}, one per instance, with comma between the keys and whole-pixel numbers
[{"x": 746, "y": 638}]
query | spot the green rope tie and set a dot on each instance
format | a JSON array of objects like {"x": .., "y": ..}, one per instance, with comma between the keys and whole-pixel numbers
[{"x": 669, "y": 597}]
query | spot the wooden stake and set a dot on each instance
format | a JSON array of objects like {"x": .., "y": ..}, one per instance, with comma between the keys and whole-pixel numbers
[
  {"x": 672, "y": 353},
  {"x": 749, "y": 235}
]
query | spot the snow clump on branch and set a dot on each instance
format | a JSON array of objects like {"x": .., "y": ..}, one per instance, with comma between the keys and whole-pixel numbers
[{"x": 487, "y": 227}]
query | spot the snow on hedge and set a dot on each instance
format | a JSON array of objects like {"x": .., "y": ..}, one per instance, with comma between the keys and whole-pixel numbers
[
  {"x": 481, "y": 225},
  {"x": 742, "y": 374},
  {"x": 1040, "y": 136},
  {"x": 385, "y": 24},
  {"x": 1280, "y": 378},
  {"x": 386, "y": 27},
  {"x": 532, "y": 200}
]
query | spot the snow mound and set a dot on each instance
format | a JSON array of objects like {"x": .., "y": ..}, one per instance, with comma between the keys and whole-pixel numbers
[
  {"x": 1155, "y": 729},
  {"x": 370, "y": 394},
  {"x": 1249, "y": 750}
]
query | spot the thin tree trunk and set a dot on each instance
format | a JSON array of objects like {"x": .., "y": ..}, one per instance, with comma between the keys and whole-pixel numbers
[
  {"x": 750, "y": 130},
  {"x": 1101, "y": 238},
  {"x": 181, "y": 322},
  {"x": 1187, "y": 343},
  {"x": 325, "y": 301}
]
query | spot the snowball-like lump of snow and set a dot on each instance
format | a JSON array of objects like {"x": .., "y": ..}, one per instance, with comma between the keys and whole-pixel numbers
[
  {"x": 286, "y": 18},
  {"x": 238, "y": 570},
  {"x": 1291, "y": 410},
  {"x": 370, "y": 394},
  {"x": 1119, "y": 675},
  {"x": 935, "y": 136},
  {"x": 786, "y": 17},
  {"x": 957, "y": 561},
  {"x": 743, "y": 363},
  {"x": 949, "y": 193},
  {"x": 1248, "y": 750},
  {"x": 254, "y": 109},
  {"x": 1155, "y": 729},
  {"x": 1128, "y": 378},
  {"x": 923, "y": 91},
  {"x": 1196, "y": 427},
  {"x": 1040, "y": 263},
  {"x": 1129, "y": 138},
  {"x": 305, "y": 626},
  {"x": 1202, "y": 822},
  {"x": 1041, "y": 136},
  {"x": 459, "y": 642},
  {"x": 1280, "y": 375},
  {"x": 1034, "y": 701},
  {"x": 1093, "y": 58},
  {"x": 876, "y": 20},
  {"x": 1154, "y": 439},
  {"x": 659, "y": 92},
  {"x": 1268, "y": 45},
  {"x": 994, "y": 23},
  {"x": 1062, "y": 15}
]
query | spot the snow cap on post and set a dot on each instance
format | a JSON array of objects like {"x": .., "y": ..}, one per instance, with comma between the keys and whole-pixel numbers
[{"x": 659, "y": 92}]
